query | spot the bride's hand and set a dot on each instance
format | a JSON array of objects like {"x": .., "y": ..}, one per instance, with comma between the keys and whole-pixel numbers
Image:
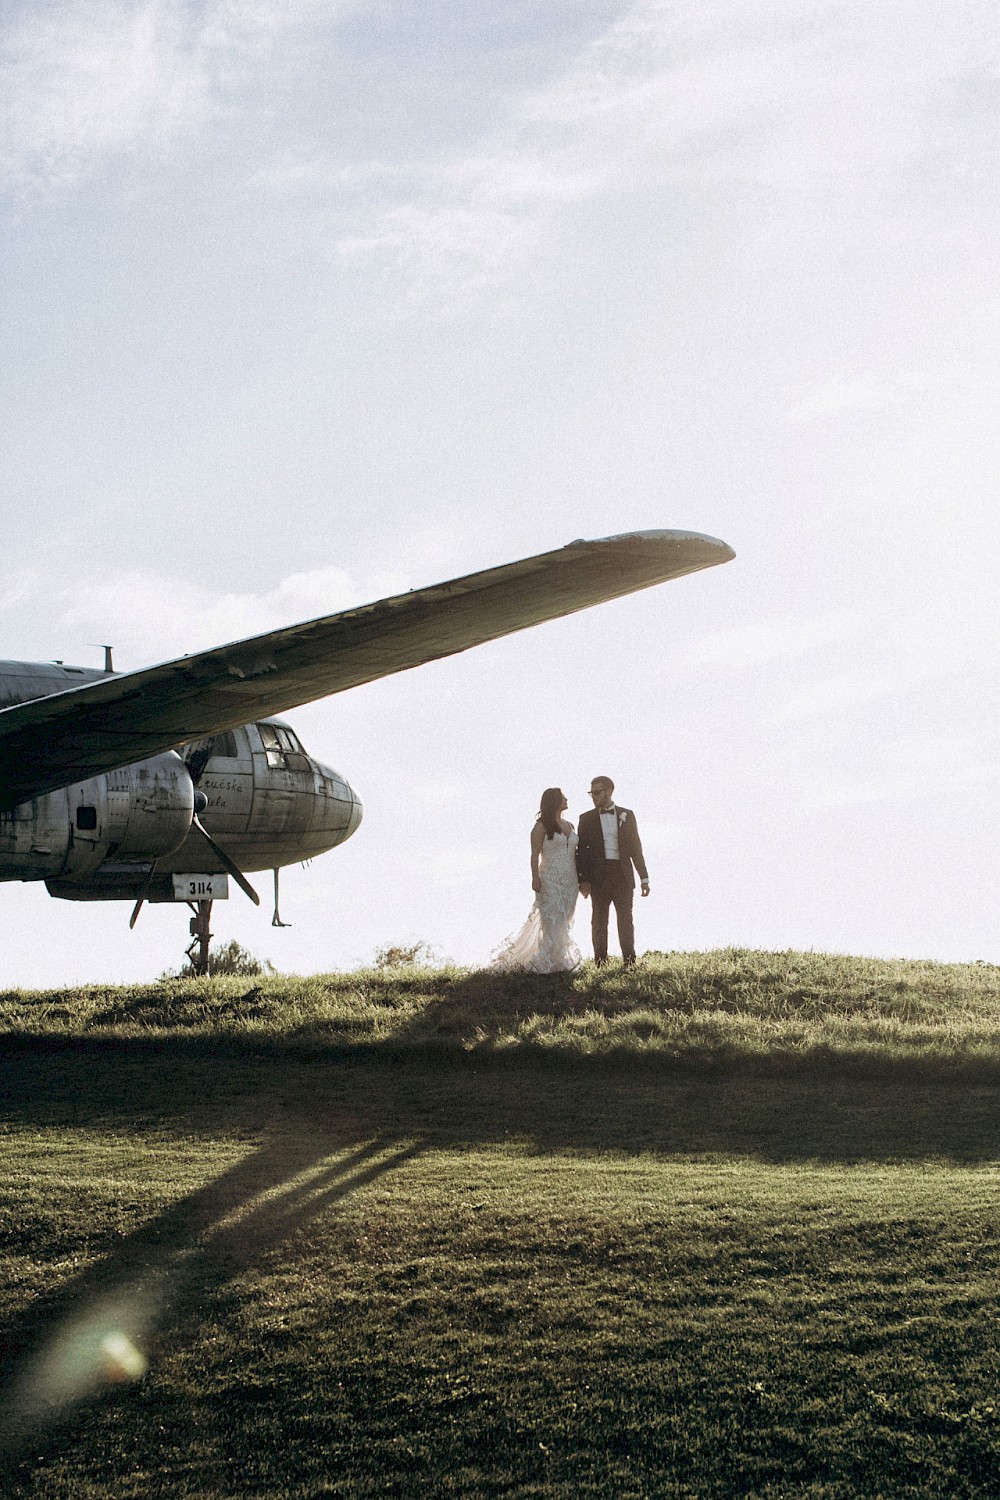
[{"x": 536, "y": 884}]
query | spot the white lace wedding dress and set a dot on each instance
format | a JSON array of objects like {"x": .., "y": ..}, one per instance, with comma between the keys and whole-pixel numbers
[{"x": 544, "y": 945}]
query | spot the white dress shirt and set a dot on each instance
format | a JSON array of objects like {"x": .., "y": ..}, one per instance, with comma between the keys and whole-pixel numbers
[{"x": 609, "y": 828}]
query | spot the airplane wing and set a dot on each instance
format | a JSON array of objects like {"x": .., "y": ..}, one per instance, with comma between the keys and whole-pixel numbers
[{"x": 55, "y": 741}]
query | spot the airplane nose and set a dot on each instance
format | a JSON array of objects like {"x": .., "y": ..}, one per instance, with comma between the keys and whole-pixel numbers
[
  {"x": 357, "y": 812},
  {"x": 345, "y": 809}
]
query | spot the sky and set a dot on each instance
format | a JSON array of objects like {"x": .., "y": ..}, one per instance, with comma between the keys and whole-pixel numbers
[{"x": 307, "y": 303}]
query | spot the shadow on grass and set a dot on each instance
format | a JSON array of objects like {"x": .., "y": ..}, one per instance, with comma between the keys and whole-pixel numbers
[
  {"x": 87, "y": 1336},
  {"x": 457, "y": 1101},
  {"x": 331, "y": 1127}
]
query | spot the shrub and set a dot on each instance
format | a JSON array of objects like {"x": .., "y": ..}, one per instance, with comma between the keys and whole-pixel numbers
[
  {"x": 228, "y": 958},
  {"x": 404, "y": 955}
]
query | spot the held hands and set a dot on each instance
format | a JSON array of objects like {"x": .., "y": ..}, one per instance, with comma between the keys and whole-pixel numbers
[{"x": 585, "y": 888}]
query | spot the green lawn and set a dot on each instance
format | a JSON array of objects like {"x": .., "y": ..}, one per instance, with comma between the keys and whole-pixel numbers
[{"x": 473, "y": 1252}]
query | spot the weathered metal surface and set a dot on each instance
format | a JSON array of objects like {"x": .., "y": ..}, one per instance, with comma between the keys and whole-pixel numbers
[
  {"x": 140, "y": 812},
  {"x": 23, "y": 681},
  {"x": 263, "y": 816}
]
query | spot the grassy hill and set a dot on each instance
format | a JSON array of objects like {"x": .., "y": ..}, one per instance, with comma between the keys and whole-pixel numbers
[
  {"x": 769, "y": 1011},
  {"x": 723, "y": 1225}
]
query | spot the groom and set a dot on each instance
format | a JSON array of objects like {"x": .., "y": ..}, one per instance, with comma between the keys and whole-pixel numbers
[{"x": 608, "y": 848}]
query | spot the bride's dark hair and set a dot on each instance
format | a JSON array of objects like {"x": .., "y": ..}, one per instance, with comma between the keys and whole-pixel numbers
[{"x": 550, "y": 809}]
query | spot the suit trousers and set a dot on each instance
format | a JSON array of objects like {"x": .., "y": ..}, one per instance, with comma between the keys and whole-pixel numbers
[{"x": 612, "y": 888}]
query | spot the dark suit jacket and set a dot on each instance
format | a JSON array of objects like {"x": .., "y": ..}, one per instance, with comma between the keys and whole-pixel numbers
[{"x": 590, "y": 862}]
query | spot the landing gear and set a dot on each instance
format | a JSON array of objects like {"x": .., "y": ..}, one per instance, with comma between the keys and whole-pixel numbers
[
  {"x": 276, "y": 919},
  {"x": 197, "y": 949}
]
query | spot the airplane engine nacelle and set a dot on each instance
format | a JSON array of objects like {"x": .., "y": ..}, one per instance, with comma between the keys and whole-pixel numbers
[
  {"x": 142, "y": 811},
  {"x": 139, "y": 813}
]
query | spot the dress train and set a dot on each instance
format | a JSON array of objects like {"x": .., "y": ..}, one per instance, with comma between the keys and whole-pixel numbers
[{"x": 544, "y": 944}]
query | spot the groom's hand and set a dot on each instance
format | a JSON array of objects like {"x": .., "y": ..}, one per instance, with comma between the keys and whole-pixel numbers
[
  {"x": 585, "y": 889},
  {"x": 644, "y": 888}
]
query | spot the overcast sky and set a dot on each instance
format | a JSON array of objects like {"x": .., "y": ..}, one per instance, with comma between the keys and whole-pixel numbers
[{"x": 305, "y": 303}]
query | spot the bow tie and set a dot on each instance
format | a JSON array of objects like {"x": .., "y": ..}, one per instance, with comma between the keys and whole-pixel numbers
[{"x": 607, "y": 811}]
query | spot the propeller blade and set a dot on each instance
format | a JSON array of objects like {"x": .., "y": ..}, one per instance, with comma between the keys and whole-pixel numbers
[
  {"x": 137, "y": 908},
  {"x": 225, "y": 861}
]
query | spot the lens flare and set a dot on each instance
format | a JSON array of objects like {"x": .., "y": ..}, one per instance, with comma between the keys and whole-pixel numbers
[
  {"x": 121, "y": 1361},
  {"x": 98, "y": 1348}
]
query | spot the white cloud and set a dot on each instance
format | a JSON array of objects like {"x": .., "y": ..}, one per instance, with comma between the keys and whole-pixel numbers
[
  {"x": 85, "y": 79},
  {"x": 151, "y": 615},
  {"x": 315, "y": 173},
  {"x": 446, "y": 247},
  {"x": 150, "y": 618},
  {"x": 92, "y": 78},
  {"x": 848, "y": 107}
]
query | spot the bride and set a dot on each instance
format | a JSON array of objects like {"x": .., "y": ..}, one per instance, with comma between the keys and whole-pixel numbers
[{"x": 545, "y": 945}]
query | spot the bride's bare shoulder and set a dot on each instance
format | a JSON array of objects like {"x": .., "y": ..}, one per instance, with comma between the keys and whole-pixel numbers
[{"x": 566, "y": 826}]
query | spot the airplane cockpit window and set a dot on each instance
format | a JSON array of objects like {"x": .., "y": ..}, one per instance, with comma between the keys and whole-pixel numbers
[
  {"x": 224, "y": 745},
  {"x": 281, "y": 748},
  {"x": 272, "y": 745}
]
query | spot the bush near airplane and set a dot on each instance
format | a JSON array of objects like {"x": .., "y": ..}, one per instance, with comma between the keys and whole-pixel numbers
[{"x": 153, "y": 785}]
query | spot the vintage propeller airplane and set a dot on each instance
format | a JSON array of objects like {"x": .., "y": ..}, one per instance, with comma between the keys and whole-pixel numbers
[{"x": 155, "y": 785}]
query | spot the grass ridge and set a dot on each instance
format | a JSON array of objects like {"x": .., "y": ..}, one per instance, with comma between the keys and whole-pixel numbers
[{"x": 732, "y": 1009}]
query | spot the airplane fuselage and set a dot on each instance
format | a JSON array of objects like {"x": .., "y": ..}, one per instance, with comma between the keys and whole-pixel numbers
[{"x": 126, "y": 833}]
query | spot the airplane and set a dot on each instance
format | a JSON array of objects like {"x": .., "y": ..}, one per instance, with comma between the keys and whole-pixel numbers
[{"x": 156, "y": 785}]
